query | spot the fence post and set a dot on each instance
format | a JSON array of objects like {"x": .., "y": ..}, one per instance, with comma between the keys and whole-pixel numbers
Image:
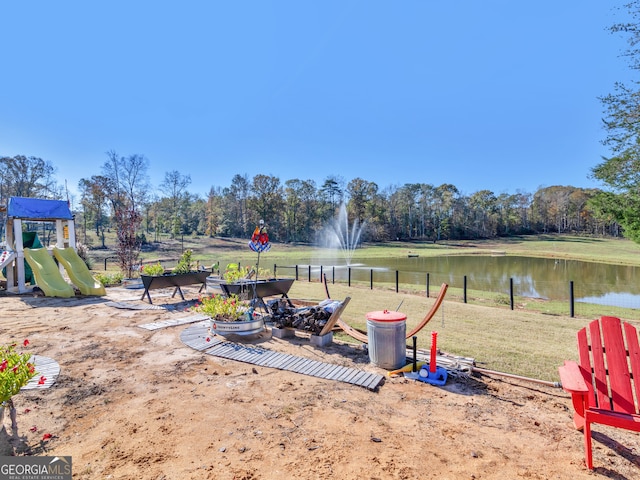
[
  {"x": 571, "y": 298},
  {"x": 511, "y": 292},
  {"x": 464, "y": 289},
  {"x": 105, "y": 263},
  {"x": 320, "y": 273},
  {"x": 397, "y": 277},
  {"x": 274, "y": 271},
  {"x": 296, "y": 271},
  {"x": 333, "y": 274},
  {"x": 371, "y": 279},
  {"x": 349, "y": 282},
  {"x": 309, "y": 273},
  {"x": 427, "y": 285}
]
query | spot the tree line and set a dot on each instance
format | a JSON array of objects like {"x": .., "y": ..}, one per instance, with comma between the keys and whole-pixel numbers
[{"x": 121, "y": 197}]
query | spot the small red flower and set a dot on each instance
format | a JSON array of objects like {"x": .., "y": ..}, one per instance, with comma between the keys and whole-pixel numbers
[
  {"x": 3, "y": 366},
  {"x": 26, "y": 342},
  {"x": 27, "y": 410},
  {"x": 34, "y": 429},
  {"x": 46, "y": 436},
  {"x": 15, "y": 369},
  {"x": 42, "y": 380}
]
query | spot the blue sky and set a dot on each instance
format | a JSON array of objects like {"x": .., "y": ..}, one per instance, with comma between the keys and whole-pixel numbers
[{"x": 494, "y": 94}]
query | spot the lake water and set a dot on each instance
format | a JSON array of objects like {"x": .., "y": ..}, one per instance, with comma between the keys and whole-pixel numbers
[{"x": 597, "y": 283}]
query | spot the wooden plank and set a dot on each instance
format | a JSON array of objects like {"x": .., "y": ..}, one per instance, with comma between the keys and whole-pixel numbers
[
  {"x": 342, "y": 374},
  {"x": 333, "y": 319},
  {"x": 263, "y": 359},
  {"x": 337, "y": 373},
  {"x": 585, "y": 363},
  {"x": 325, "y": 368},
  {"x": 349, "y": 376},
  {"x": 301, "y": 366},
  {"x": 222, "y": 350},
  {"x": 296, "y": 364},
  {"x": 334, "y": 373},
  {"x": 634, "y": 360},
  {"x": 197, "y": 343},
  {"x": 47, "y": 368},
  {"x": 245, "y": 355},
  {"x": 287, "y": 362},
  {"x": 599, "y": 369},
  {"x": 363, "y": 379},
  {"x": 356, "y": 378},
  {"x": 314, "y": 368},
  {"x": 373, "y": 383},
  {"x": 617, "y": 365}
]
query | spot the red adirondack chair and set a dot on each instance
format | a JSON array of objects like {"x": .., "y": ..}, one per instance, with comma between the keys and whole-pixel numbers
[{"x": 603, "y": 384}]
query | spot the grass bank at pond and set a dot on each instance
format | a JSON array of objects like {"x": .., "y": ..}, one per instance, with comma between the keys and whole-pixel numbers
[{"x": 531, "y": 340}]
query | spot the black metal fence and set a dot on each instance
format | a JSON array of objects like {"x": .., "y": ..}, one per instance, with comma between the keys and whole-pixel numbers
[{"x": 361, "y": 276}]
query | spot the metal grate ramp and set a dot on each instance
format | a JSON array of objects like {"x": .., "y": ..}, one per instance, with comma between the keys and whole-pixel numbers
[{"x": 196, "y": 338}]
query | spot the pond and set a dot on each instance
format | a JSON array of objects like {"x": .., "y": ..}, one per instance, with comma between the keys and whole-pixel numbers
[{"x": 598, "y": 283}]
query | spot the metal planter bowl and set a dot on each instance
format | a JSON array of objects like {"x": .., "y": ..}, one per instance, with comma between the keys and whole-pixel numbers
[{"x": 247, "y": 327}]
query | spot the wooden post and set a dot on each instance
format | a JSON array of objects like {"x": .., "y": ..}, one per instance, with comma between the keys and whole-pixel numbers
[
  {"x": 427, "y": 285},
  {"x": 397, "y": 277},
  {"x": 371, "y": 279},
  {"x": 511, "y": 292},
  {"x": 571, "y": 299},
  {"x": 464, "y": 289}
]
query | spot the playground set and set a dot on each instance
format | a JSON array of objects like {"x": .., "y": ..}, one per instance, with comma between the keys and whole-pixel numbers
[{"x": 24, "y": 259}]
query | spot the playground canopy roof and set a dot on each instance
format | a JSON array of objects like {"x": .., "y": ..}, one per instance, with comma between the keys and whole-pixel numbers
[{"x": 38, "y": 209}]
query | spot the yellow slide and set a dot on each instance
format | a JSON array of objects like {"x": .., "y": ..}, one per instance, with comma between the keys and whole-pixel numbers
[
  {"x": 46, "y": 272},
  {"x": 78, "y": 271}
]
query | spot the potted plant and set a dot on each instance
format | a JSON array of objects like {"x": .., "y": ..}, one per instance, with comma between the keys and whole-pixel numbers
[
  {"x": 154, "y": 277},
  {"x": 229, "y": 315}
]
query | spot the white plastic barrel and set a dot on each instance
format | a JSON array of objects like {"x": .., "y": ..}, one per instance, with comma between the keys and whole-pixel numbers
[{"x": 387, "y": 343}]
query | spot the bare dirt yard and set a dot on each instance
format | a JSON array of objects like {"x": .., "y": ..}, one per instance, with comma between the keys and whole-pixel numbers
[{"x": 136, "y": 404}]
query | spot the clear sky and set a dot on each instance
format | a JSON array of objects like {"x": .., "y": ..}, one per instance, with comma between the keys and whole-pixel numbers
[{"x": 493, "y": 94}]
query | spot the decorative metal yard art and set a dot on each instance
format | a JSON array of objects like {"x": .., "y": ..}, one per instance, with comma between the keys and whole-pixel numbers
[{"x": 259, "y": 243}]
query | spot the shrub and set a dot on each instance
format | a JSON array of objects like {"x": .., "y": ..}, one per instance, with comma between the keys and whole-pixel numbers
[
  {"x": 109, "y": 279},
  {"x": 153, "y": 269},
  {"x": 16, "y": 369}
]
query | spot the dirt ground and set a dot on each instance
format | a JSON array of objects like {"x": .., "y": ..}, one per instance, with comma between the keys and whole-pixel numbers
[{"x": 136, "y": 404}]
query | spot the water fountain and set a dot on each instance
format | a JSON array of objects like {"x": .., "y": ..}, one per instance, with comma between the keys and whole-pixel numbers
[{"x": 338, "y": 235}]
